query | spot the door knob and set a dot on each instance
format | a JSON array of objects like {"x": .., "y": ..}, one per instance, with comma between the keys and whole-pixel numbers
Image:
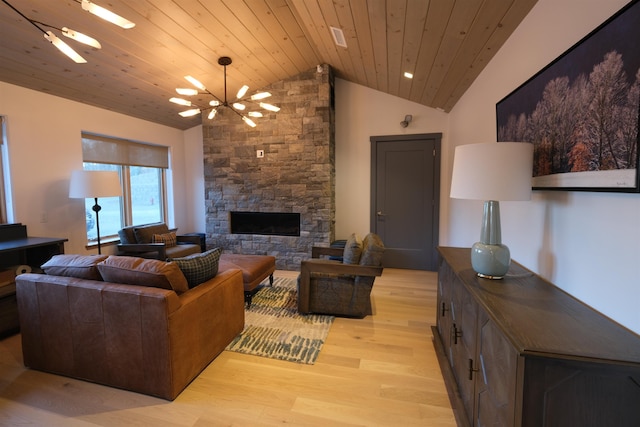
[{"x": 379, "y": 213}]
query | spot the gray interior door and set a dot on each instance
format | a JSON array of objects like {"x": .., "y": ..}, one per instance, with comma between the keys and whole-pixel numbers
[{"x": 405, "y": 198}]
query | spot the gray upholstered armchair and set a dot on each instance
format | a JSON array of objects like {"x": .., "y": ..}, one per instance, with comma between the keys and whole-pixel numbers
[
  {"x": 341, "y": 288},
  {"x": 156, "y": 241}
]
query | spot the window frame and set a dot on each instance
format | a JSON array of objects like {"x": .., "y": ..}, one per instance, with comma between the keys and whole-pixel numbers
[{"x": 124, "y": 161}]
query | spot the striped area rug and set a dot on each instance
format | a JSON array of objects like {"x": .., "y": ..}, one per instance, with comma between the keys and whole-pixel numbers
[{"x": 274, "y": 328}]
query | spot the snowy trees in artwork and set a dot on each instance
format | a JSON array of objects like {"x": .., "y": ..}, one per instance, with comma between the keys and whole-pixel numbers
[{"x": 589, "y": 123}]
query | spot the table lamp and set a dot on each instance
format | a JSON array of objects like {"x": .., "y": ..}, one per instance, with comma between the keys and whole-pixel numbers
[
  {"x": 492, "y": 172},
  {"x": 94, "y": 184}
]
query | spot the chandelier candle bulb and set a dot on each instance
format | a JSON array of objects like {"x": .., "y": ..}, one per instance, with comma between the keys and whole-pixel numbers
[
  {"x": 195, "y": 82},
  {"x": 269, "y": 107},
  {"x": 185, "y": 91},
  {"x": 261, "y": 95},
  {"x": 81, "y": 38},
  {"x": 248, "y": 121},
  {"x": 64, "y": 48},
  {"x": 181, "y": 101},
  {"x": 107, "y": 15},
  {"x": 242, "y": 92},
  {"x": 190, "y": 113}
]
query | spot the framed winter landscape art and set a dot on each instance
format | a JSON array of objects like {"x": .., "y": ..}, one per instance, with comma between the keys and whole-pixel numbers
[{"x": 581, "y": 111}]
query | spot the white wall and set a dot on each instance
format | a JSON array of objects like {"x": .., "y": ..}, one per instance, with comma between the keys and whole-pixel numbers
[
  {"x": 586, "y": 243},
  {"x": 360, "y": 114},
  {"x": 44, "y": 145},
  {"x": 194, "y": 176}
]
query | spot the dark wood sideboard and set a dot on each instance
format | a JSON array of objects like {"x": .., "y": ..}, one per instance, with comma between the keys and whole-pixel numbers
[
  {"x": 18, "y": 249},
  {"x": 522, "y": 352}
]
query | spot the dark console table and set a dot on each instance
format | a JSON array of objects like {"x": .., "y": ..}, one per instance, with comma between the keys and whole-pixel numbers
[
  {"x": 16, "y": 250},
  {"x": 522, "y": 352}
]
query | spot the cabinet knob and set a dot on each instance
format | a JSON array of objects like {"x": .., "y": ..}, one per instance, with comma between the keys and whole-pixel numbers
[
  {"x": 471, "y": 370},
  {"x": 444, "y": 309},
  {"x": 455, "y": 333}
]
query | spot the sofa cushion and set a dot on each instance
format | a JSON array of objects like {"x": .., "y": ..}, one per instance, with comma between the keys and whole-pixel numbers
[
  {"x": 198, "y": 268},
  {"x": 169, "y": 239},
  {"x": 372, "y": 250},
  {"x": 79, "y": 266},
  {"x": 143, "y": 272},
  {"x": 145, "y": 233},
  {"x": 352, "y": 250}
]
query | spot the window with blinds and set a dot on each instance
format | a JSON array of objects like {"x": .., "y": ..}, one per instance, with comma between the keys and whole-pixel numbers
[{"x": 142, "y": 169}]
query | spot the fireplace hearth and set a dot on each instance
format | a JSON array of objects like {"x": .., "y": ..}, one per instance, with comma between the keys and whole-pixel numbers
[{"x": 265, "y": 223}]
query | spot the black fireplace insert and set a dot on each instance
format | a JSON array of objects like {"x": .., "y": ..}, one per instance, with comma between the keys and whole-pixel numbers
[{"x": 267, "y": 223}]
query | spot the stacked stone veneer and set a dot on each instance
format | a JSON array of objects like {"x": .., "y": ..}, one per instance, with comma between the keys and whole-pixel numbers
[{"x": 297, "y": 172}]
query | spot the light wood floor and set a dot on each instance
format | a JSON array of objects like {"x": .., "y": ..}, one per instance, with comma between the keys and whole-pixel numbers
[{"x": 378, "y": 371}]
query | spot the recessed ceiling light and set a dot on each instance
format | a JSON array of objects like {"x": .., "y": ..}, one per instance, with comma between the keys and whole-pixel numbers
[
  {"x": 338, "y": 37},
  {"x": 408, "y": 75}
]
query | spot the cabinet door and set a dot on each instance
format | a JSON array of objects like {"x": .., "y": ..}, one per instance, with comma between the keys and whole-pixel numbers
[
  {"x": 496, "y": 374},
  {"x": 464, "y": 311},
  {"x": 568, "y": 393}
]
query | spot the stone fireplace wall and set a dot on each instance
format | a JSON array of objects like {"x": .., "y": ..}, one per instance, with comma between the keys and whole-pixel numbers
[{"x": 296, "y": 174}]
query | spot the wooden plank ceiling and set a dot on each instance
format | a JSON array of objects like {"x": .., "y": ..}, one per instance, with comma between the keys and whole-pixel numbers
[{"x": 444, "y": 43}]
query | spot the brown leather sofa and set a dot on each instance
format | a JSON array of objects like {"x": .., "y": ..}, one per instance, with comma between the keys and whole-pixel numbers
[{"x": 140, "y": 338}]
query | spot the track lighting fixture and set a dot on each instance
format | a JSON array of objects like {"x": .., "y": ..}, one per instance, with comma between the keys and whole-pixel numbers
[
  {"x": 75, "y": 35},
  {"x": 238, "y": 106}
]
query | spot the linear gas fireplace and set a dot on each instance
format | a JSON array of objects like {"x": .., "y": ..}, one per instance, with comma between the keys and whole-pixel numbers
[{"x": 267, "y": 223}]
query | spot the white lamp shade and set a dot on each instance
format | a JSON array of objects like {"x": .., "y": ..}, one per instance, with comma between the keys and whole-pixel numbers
[
  {"x": 492, "y": 171},
  {"x": 92, "y": 184}
]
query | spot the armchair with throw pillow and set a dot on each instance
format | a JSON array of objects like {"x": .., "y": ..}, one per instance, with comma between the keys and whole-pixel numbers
[
  {"x": 156, "y": 241},
  {"x": 337, "y": 288}
]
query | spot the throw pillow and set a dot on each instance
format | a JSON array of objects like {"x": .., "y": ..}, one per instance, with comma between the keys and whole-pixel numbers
[
  {"x": 169, "y": 239},
  {"x": 79, "y": 266},
  {"x": 143, "y": 272},
  {"x": 372, "y": 250},
  {"x": 198, "y": 268},
  {"x": 352, "y": 250},
  {"x": 145, "y": 233}
]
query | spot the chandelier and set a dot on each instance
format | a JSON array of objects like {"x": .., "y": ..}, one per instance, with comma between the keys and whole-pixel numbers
[
  {"x": 238, "y": 106},
  {"x": 88, "y": 6}
]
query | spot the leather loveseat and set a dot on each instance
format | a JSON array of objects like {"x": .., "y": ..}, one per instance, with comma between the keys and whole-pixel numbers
[{"x": 152, "y": 339}]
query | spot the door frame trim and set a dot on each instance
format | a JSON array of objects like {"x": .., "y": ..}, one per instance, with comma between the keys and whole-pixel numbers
[{"x": 437, "y": 137}]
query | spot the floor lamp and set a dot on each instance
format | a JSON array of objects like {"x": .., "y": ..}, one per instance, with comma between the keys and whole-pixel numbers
[
  {"x": 492, "y": 172},
  {"x": 95, "y": 184}
]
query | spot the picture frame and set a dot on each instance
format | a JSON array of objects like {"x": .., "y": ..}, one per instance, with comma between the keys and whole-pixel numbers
[{"x": 582, "y": 112}]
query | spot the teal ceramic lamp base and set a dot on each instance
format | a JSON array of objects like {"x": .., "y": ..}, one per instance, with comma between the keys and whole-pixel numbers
[
  {"x": 490, "y": 261},
  {"x": 489, "y": 257}
]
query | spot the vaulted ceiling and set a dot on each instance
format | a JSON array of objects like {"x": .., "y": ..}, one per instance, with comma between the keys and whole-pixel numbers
[{"x": 444, "y": 43}]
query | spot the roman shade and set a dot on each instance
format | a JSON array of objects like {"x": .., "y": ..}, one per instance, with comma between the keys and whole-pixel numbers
[{"x": 115, "y": 151}]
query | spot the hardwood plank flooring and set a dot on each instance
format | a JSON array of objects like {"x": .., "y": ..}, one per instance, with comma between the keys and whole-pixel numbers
[{"x": 378, "y": 371}]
